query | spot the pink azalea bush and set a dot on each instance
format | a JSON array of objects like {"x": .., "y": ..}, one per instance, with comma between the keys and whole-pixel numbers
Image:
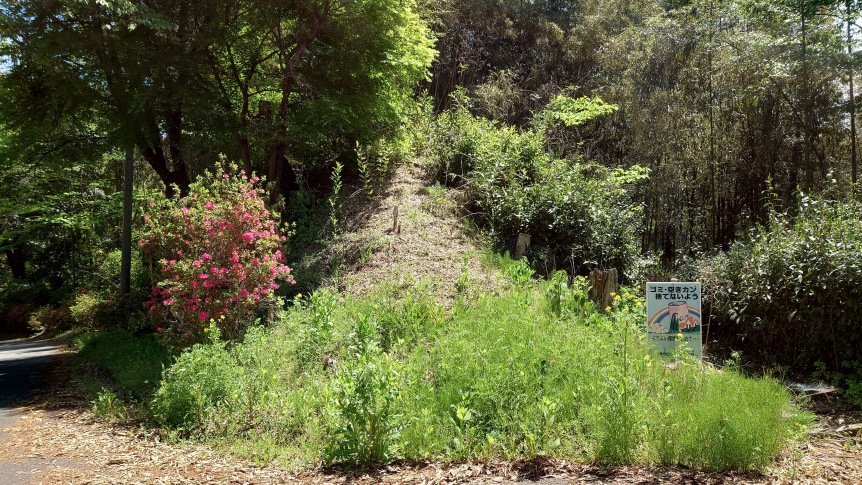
[{"x": 217, "y": 256}]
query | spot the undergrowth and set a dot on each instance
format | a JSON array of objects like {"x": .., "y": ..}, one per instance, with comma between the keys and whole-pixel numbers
[
  {"x": 531, "y": 371},
  {"x": 133, "y": 363}
]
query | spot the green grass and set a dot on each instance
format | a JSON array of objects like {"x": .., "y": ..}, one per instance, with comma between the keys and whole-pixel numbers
[
  {"x": 134, "y": 363},
  {"x": 534, "y": 371}
]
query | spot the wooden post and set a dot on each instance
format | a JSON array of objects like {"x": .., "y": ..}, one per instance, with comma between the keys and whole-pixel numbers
[
  {"x": 396, "y": 226},
  {"x": 602, "y": 284},
  {"x": 521, "y": 246}
]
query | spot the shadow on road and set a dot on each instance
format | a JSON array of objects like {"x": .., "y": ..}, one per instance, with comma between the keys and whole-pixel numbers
[{"x": 35, "y": 373}]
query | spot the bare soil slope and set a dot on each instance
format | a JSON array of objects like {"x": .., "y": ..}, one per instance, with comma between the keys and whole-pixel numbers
[{"x": 425, "y": 243}]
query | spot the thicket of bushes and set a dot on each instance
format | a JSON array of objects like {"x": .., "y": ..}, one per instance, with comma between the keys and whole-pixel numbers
[
  {"x": 580, "y": 215},
  {"x": 534, "y": 370},
  {"x": 791, "y": 293}
]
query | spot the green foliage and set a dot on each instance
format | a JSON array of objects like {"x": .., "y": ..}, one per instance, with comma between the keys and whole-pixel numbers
[
  {"x": 790, "y": 293},
  {"x": 574, "y": 111},
  {"x": 199, "y": 380},
  {"x": 108, "y": 406},
  {"x": 250, "y": 386},
  {"x": 125, "y": 312},
  {"x": 87, "y": 305},
  {"x": 361, "y": 414},
  {"x": 316, "y": 76},
  {"x": 513, "y": 375},
  {"x": 52, "y": 319},
  {"x": 580, "y": 215},
  {"x": 133, "y": 362}
]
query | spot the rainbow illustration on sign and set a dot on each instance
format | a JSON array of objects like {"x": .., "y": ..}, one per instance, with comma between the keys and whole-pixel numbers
[{"x": 677, "y": 314}]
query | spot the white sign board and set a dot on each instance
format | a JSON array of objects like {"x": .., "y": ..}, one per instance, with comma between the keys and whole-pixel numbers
[{"x": 673, "y": 317}]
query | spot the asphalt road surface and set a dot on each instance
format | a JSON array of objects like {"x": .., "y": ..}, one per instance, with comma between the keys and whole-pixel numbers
[
  {"x": 22, "y": 366},
  {"x": 22, "y": 370}
]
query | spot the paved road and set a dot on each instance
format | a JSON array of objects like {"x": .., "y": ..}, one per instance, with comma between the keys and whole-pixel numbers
[
  {"x": 22, "y": 365},
  {"x": 22, "y": 370}
]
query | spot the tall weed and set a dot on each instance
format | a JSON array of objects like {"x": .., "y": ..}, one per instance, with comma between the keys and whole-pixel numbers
[{"x": 532, "y": 371}]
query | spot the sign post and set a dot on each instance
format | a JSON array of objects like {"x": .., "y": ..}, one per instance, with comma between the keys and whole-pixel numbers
[{"x": 673, "y": 317}]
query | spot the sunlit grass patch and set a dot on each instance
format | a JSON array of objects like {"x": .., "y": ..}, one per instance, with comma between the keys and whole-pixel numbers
[{"x": 534, "y": 371}]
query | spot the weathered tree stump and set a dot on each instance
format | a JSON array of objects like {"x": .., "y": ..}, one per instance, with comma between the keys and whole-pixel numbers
[
  {"x": 602, "y": 284},
  {"x": 521, "y": 246}
]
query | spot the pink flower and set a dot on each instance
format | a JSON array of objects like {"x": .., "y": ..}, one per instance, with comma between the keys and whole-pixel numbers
[
  {"x": 206, "y": 256},
  {"x": 243, "y": 293},
  {"x": 209, "y": 205},
  {"x": 202, "y": 316},
  {"x": 168, "y": 301},
  {"x": 248, "y": 237}
]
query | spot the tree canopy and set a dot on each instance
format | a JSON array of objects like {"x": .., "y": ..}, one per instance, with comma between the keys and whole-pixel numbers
[{"x": 183, "y": 81}]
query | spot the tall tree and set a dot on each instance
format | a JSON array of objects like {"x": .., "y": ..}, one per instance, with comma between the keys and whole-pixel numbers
[
  {"x": 851, "y": 11},
  {"x": 179, "y": 78}
]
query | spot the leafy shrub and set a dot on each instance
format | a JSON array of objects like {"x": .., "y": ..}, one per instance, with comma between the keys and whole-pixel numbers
[
  {"x": 87, "y": 305},
  {"x": 126, "y": 312},
  {"x": 199, "y": 380},
  {"x": 107, "y": 405},
  {"x": 361, "y": 411},
  {"x": 217, "y": 254},
  {"x": 219, "y": 389},
  {"x": 17, "y": 319},
  {"x": 514, "y": 380},
  {"x": 52, "y": 319},
  {"x": 791, "y": 294},
  {"x": 579, "y": 214}
]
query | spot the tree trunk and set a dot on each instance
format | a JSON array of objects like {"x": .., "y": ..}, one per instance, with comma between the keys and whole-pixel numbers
[
  {"x": 126, "y": 243},
  {"x": 853, "y": 165},
  {"x": 245, "y": 154},
  {"x": 16, "y": 258},
  {"x": 602, "y": 284},
  {"x": 179, "y": 177}
]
